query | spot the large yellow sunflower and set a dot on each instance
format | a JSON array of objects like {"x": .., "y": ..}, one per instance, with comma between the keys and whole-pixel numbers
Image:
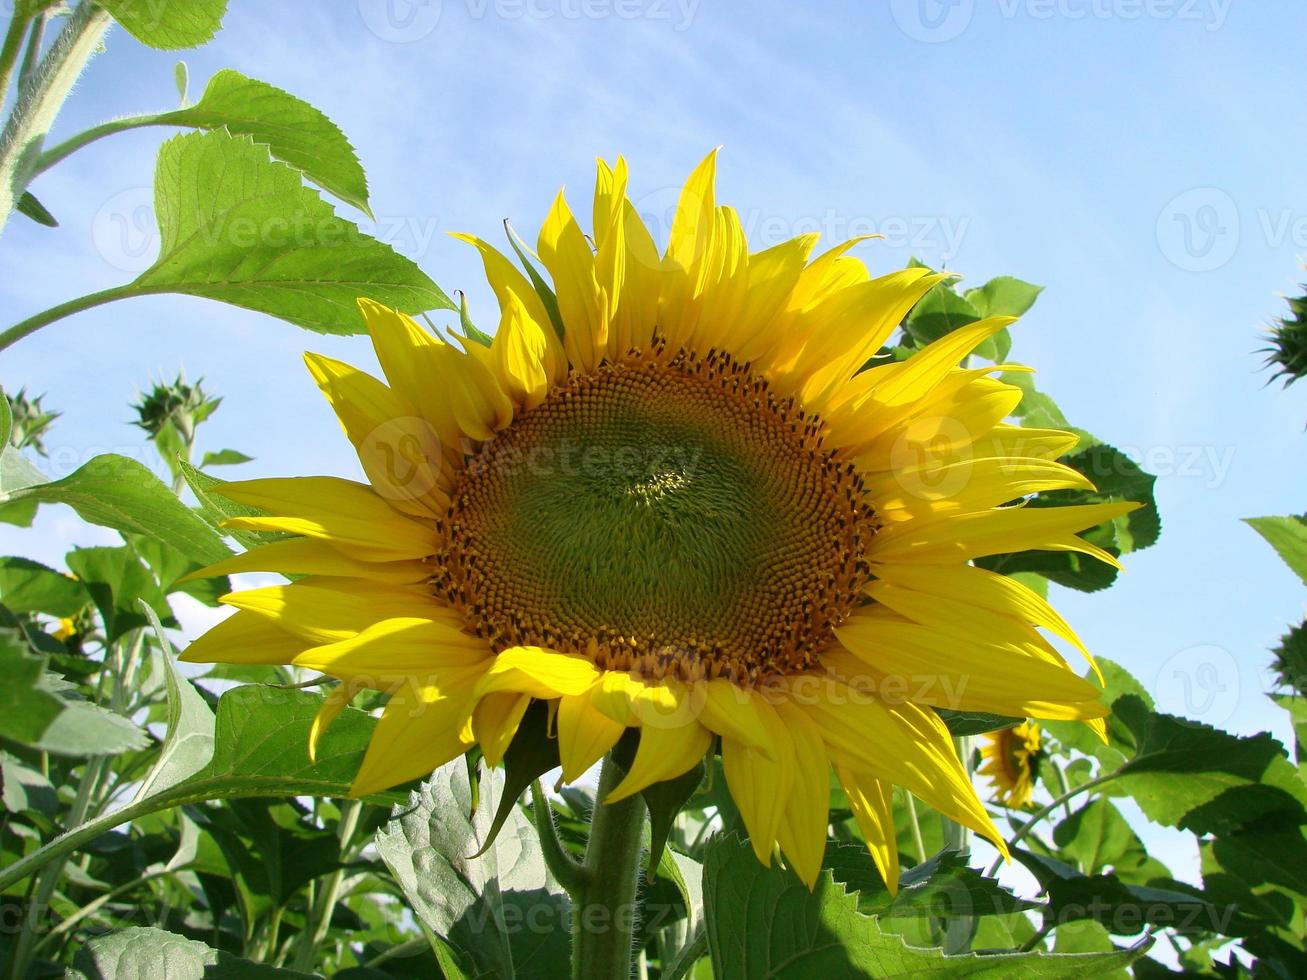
[{"x": 673, "y": 499}]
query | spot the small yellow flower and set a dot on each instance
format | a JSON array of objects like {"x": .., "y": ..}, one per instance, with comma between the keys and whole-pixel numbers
[
  {"x": 1010, "y": 759},
  {"x": 668, "y": 496}
]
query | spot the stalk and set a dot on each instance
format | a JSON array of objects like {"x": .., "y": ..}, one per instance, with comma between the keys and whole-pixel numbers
[
  {"x": 604, "y": 911},
  {"x": 40, "y": 100}
]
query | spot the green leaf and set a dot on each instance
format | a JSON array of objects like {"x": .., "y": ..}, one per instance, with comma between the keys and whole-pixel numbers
[
  {"x": 1097, "y": 837},
  {"x": 117, "y": 492},
  {"x": 181, "y": 76},
  {"x": 23, "y": 788},
  {"x": 238, "y": 227},
  {"x": 116, "y": 579},
  {"x": 1288, "y": 536},
  {"x": 29, "y": 587},
  {"x": 42, "y": 710},
  {"x": 34, "y": 209},
  {"x": 1125, "y": 910},
  {"x": 168, "y": 25},
  {"x": 1118, "y": 478},
  {"x": 1189, "y": 775},
  {"x": 500, "y": 914},
  {"x": 15, "y": 470},
  {"x": 963, "y": 723},
  {"x": 225, "y": 457},
  {"x": 763, "y": 922},
  {"x": 470, "y": 330},
  {"x": 215, "y": 508},
  {"x": 940, "y": 312},
  {"x": 294, "y": 131},
  {"x": 1004, "y": 296},
  {"x": 531, "y": 754},
  {"x": 150, "y": 954},
  {"x": 666, "y": 799},
  {"x": 261, "y": 738},
  {"x": 942, "y": 886},
  {"x": 188, "y": 746}
]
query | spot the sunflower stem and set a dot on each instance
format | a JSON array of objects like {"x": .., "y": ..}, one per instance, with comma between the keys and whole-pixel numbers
[
  {"x": 604, "y": 912},
  {"x": 569, "y": 872}
]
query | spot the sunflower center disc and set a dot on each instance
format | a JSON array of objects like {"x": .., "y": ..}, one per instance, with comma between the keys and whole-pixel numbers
[{"x": 662, "y": 514}]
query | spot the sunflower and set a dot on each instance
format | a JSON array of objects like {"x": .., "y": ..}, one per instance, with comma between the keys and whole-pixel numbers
[
  {"x": 1011, "y": 757},
  {"x": 669, "y": 495}
]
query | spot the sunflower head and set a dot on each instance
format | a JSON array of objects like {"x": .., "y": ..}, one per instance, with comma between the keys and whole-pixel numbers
[
  {"x": 667, "y": 496},
  {"x": 1287, "y": 352},
  {"x": 1011, "y": 761}
]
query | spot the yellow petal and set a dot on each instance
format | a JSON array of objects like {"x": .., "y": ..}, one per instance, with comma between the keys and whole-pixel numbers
[
  {"x": 1010, "y": 529},
  {"x": 566, "y": 254},
  {"x": 306, "y": 556},
  {"x": 419, "y": 731},
  {"x": 736, "y": 712},
  {"x": 585, "y": 734},
  {"x": 401, "y": 452},
  {"x": 803, "y": 826},
  {"x": 760, "y": 785},
  {"x": 542, "y": 673},
  {"x": 398, "y": 648},
  {"x": 348, "y": 514},
  {"x": 664, "y": 753},
  {"x": 902, "y": 744},
  {"x": 495, "y": 721},
  {"x": 336, "y": 701},
  {"x": 324, "y": 610},
  {"x": 245, "y": 638},
  {"x": 872, "y": 803},
  {"x": 989, "y": 590}
]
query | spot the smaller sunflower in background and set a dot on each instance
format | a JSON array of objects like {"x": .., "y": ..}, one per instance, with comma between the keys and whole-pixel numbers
[{"x": 1011, "y": 760}]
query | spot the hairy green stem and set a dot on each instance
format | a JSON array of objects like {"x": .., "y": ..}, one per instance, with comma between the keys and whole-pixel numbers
[
  {"x": 914, "y": 823},
  {"x": 34, "y": 323},
  {"x": 1042, "y": 813},
  {"x": 604, "y": 912},
  {"x": 569, "y": 873},
  {"x": 71, "y": 145},
  {"x": 13, "y": 43},
  {"x": 40, "y": 100}
]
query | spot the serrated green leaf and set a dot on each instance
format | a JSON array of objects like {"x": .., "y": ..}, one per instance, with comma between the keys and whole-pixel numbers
[
  {"x": 168, "y": 25},
  {"x": 27, "y": 586},
  {"x": 117, "y": 492},
  {"x": 1125, "y": 910},
  {"x": 1186, "y": 774},
  {"x": 941, "y": 886},
  {"x": 142, "y": 953},
  {"x": 240, "y": 228},
  {"x": 763, "y": 922},
  {"x": 1288, "y": 536},
  {"x": 42, "y": 710},
  {"x": 294, "y": 131},
  {"x": 500, "y": 914}
]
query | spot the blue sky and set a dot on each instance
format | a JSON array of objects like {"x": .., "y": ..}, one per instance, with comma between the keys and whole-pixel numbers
[{"x": 1141, "y": 159}]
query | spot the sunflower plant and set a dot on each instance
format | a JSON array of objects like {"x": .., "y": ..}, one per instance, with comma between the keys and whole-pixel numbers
[{"x": 694, "y": 621}]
